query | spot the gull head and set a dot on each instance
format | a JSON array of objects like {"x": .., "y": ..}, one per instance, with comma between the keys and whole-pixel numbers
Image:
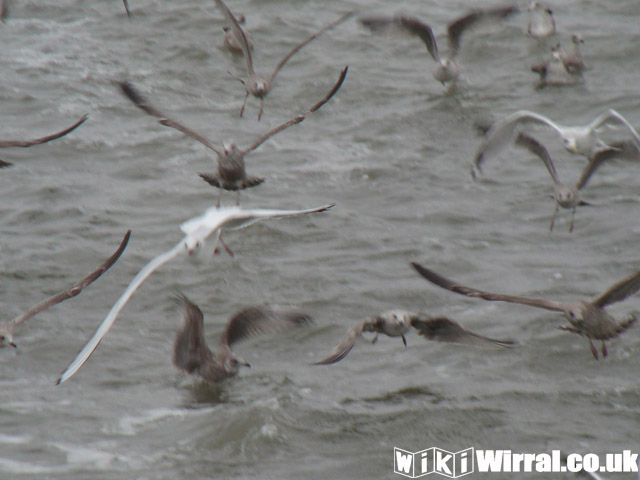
[
  {"x": 6, "y": 336},
  {"x": 566, "y": 196},
  {"x": 231, "y": 149},
  {"x": 570, "y": 143},
  {"x": 232, "y": 364},
  {"x": 394, "y": 322},
  {"x": 577, "y": 38}
]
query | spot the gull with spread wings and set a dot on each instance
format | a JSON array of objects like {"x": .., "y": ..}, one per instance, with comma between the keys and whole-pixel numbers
[
  {"x": 259, "y": 85},
  {"x": 231, "y": 173},
  {"x": 38, "y": 141},
  {"x": 196, "y": 231},
  {"x": 447, "y": 70},
  {"x": 587, "y": 318},
  {"x": 192, "y": 355},
  {"x": 396, "y": 323},
  {"x": 581, "y": 139},
  {"x": 566, "y": 195},
  {"x": 6, "y": 328}
]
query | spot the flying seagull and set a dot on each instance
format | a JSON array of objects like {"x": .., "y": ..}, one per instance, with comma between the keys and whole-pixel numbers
[
  {"x": 541, "y": 22},
  {"x": 38, "y": 141},
  {"x": 447, "y": 70},
  {"x": 566, "y": 195},
  {"x": 231, "y": 40},
  {"x": 581, "y": 139},
  {"x": 6, "y": 328},
  {"x": 231, "y": 173},
  {"x": 396, "y": 323},
  {"x": 587, "y": 318},
  {"x": 196, "y": 231},
  {"x": 260, "y": 85},
  {"x": 192, "y": 355}
]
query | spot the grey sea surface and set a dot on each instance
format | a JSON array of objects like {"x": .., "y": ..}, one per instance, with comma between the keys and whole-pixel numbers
[{"x": 393, "y": 150}]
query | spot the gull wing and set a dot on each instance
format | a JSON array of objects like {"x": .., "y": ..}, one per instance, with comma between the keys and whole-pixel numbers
[
  {"x": 299, "y": 118},
  {"x": 611, "y": 114},
  {"x": 77, "y": 287},
  {"x": 458, "y": 26},
  {"x": 503, "y": 131},
  {"x": 190, "y": 348},
  {"x": 596, "y": 159},
  {"x": 344, "y": 346},
  {"x": 443, "y": 329},
  {"x": 619, "y": 291},
  {"x": 143, "y": 104},
  {"x": 535, "y": 147},
  {"x": 48, "y": 138},
  {"x": 239, "y": 33},
  {"x": 411, "y": 25},
  {"x": 260, "y": 319},
  {"x": 126, "y": 7},
  {"x": 295, "y": 49},
  {"x": 472, "y": 292}
]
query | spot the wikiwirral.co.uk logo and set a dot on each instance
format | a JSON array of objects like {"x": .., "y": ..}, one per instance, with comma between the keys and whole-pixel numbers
[{"x": 433, "y": 460}]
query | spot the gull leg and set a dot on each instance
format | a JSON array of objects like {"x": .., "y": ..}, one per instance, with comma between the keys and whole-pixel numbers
[
  {"x": 605, "y": 352},
  {"x": 226, "y": 247},
  {"x": 404, "y": 340},
  {"x": 573, "y": 214},
  {"x": 553, "y": 219},
  {"x": 238, "y": 199},
  {"x": 246, "y": 94},
  {"x": 375, "y": 339},
  {"x": 219, "y": 198},
  {"x": 260, "y": 111},
  {"x": 594, "y": 350}
]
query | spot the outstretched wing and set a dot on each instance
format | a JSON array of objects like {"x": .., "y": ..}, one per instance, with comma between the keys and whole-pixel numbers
[
  {"x": 344, "y": 346},
  {"x": 618, "y": 292},
  {"x": 411, "y": 25},
  {"x": 458, "y": 26},
  {"x": 239, "y": 33},
  {"x": 76, "y": 288},
  {"x": 450, "y": 285},
  {"x": 48, "y": 138},
  {"x": 190, "y": 349},
  {"x": 143, "y": 104},
  {"x": 257, "y": 320},
  {"x": 299, "y": 118},
  {"x": 442, "y": 329},
  {"x": 610, "y": 115},
  {"x": 535, "y": 147},
  {"x": 295, "y": 49},
  {"x": 596, "y": 159}
]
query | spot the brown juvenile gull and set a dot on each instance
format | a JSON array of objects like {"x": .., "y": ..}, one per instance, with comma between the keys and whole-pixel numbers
[
  {"x": 196, "y": 231},
  {"x": 192, "y": 355},
  {"x": 541, "y": 21},
  {"x": 231, "y": 173},
  {"x": 581, "y": 139},
  {"x": 260, "y": 85},
  {"x": 572, "y": 58},
  {"x": 396, "y": 323},
  {"x": 553, "y": 71},
  {"x": 231, "y": 40},
  {"x": 38, "y": 141},
  {"x": 566, "y": 195},
  {"x": 587, "y": 317},
  {"x": 6, "y": 328},
  {"x": 447, "y": 69}
]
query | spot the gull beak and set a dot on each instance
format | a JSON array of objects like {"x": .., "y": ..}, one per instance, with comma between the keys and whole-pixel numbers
[
  {"x": 246, "y": 364},
  {"x": 13, "y": 344}
]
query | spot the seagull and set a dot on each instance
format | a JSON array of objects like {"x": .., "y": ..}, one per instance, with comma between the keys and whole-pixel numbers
[
  {"x": 38, "y": 141},
  {"x": 447, "y": 70},
  {"x": 541, "y": 22},
  {"x": 231, "y": 173},
  {"x": 576, "y": 139},
  {"x": 192, "y": 355},
  {"x": 566, "y": 195},
  {"x": 7, "y": 328},
  {"x": 196, "y": 231},
  {"x": 259, "y": 85},
  {"x": 554, "y": 71},
  {"x": 587, "y": 318},
  {"x": 396, "y": 323},
  {"x": 231, "y": 40},
  {"x": 572, "y": 58}
]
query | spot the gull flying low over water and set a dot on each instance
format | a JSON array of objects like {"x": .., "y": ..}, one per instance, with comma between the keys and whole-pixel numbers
[
  {"x": 231, "y": 173},
  {"x": 396, "y": 323},
  {"x": 259, "y": 85},
  {"x": 541, "y": 21},
  {"x": 566, "y": 195},
  {"x": 7, "y": 328},
  {"x": 582, "y": 139},
  {"x": 447, "y": 70},
  {"x": 38, "y": 141},
  {"x": 588, "y": 318},
  {"x": 196, "y": 231},
  {"x": 192, "y": 355}
]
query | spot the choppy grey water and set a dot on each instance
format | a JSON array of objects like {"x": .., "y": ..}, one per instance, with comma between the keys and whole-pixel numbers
[{"x": 393, "y": 151}]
